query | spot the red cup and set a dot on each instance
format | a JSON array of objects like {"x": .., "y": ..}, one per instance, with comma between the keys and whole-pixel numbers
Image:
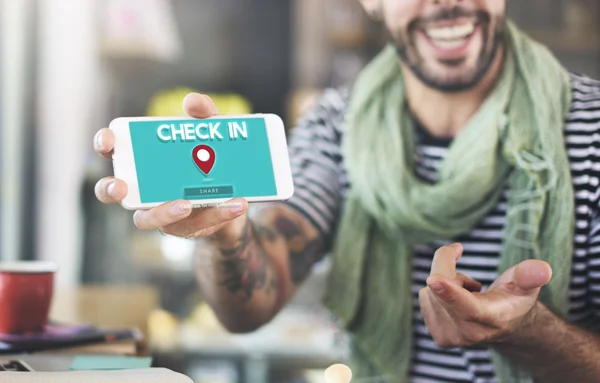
[{"x": 26, "y": 290}]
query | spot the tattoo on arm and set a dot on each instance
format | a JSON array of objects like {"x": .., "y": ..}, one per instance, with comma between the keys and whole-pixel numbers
[
  {"x": 303, "y": 251},
  {"x": 245, "y": 267}
]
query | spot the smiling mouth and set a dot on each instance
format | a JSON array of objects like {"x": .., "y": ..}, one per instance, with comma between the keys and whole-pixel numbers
[{"x": 450, "y": 37}]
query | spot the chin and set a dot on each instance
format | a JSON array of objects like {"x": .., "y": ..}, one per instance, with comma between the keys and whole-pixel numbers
[
  {"x": 456, "y": 74},
  {"x": 451, "y": 82}
]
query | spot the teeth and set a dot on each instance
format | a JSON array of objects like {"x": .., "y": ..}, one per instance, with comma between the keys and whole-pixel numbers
[
  {"x": 451, "y": 33},
  {"x": 449, "y": 44}
]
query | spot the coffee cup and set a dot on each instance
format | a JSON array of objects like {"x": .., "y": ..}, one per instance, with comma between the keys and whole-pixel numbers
[{"x": 26, "y": 289}]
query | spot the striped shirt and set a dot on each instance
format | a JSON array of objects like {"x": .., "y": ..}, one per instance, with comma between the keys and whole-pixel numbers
[{"x": 321, "y": 185}]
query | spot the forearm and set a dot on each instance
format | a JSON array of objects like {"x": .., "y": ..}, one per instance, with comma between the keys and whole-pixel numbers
[
  {"x": 553, "y": 351},
  {"x": 238, "y": 280},
  {"x": 248, "y": 280}
]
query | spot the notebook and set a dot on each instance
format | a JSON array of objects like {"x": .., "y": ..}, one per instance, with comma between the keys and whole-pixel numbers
[{"x": 60, "y": 336}]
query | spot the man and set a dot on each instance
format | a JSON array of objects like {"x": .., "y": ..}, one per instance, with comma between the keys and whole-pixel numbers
[{"x": 455, "y": 186}]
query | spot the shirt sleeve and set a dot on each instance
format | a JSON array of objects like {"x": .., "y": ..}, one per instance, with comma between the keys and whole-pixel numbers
[
  {"x": 591, "y": 272},
  {"x": 316, "y": 162},
  {"x": 586, "y": 141}
]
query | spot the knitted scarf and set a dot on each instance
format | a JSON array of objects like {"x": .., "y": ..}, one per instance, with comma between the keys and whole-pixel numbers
[{"x": 515, "y": 139}]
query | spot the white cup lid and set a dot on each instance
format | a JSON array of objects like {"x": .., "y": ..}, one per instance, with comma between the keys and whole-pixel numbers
[{"x": 28, "y": 267}]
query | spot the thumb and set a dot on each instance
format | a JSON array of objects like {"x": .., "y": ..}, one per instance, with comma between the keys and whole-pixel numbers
[
  {"x": 199, "y": 106},
  {"x": 531, "y": 275}
]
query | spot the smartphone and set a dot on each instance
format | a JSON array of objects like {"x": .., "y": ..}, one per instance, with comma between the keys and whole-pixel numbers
[{"x": 206, "y": 161}]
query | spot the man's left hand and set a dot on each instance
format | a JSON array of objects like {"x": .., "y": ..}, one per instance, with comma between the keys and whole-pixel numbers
[{"x": 458, "y": 314}]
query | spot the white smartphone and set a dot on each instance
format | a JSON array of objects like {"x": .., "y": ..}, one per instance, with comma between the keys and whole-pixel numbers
[{"x": 206, "y": 161}]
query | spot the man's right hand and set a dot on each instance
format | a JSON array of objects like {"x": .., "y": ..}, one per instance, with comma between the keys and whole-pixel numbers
[
  {"x": 224, "y": 223},
  {"x": 248, "y": 269}
]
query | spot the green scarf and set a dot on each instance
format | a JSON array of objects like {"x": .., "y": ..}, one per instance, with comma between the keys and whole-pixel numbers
[{"x": 516, "y": 137}]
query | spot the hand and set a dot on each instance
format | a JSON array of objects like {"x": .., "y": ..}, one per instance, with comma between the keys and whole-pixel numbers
[
  {"x": 458, "y": 314},
  {"x": 177, "y": 217}
]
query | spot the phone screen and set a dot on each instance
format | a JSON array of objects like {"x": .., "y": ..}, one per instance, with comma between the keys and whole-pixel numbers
[{"x": 202, "y": 159}]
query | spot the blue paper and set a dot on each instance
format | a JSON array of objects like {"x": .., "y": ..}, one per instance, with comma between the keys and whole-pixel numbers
[{"x": 102, "y": 362}]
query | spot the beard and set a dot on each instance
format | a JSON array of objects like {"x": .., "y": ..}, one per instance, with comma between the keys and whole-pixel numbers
[{"x": 492, "y": 42}]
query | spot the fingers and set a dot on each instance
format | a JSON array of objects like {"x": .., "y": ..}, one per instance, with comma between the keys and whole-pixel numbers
[
  {"x": 104, "y": 143},
  {"x": 523, "y": 279},
  {"x": 199, "y": 106},
  {"x": 454, "y": 297},
  {"x": 444, "y": 260},
  {"x": 163, "y": 215},
  {"x": 532, "y": 274},
  {"x": 110, "y": 190},
  {"x": 201, "y": 221},
  {"x": 179, "y": 219},
  {"x": 469, "y": 283}
]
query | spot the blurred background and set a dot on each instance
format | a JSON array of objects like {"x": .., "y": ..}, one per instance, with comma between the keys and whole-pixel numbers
[{"x": 70, "y": 66}]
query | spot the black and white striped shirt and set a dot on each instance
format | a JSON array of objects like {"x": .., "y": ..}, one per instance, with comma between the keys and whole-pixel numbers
[{"x": 321, "y": 185}]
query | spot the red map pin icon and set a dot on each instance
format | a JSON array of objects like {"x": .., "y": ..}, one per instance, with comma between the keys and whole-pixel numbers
[{"x": 204, "y": 157}]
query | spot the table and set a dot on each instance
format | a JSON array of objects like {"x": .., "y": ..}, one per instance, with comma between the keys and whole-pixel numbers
[{"x": 297, "y": 339}]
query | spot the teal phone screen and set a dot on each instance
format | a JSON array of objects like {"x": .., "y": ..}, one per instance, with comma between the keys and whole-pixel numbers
[{"x": 202, "y": 159}]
